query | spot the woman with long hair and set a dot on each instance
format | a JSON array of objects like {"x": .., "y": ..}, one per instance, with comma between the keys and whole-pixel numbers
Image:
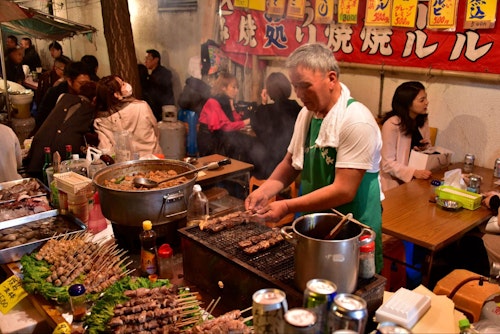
[
  {"x": 404, "y": 128},
  {"x": 117, "y": 111},
  {"x": 218, "y": 118}
]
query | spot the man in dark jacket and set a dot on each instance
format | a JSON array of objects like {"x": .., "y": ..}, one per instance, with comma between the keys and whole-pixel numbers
[
  {"x": 75, "y": 73},
  {"x": 31, "y": 57},
  {"x": 158, "y": 89}
]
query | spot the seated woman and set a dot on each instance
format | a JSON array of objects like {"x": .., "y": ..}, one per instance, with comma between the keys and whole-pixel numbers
[
  {"x": 404, "y": 128},
  {"x": 273, "y": 124},
  {"x": 491, "y": 238},
  {"x": 219, "y": 122},
  {"x": 117, "y": 110}
]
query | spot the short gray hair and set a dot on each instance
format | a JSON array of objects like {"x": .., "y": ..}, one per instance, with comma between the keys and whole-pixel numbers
[{"x": 316, "y": 56}]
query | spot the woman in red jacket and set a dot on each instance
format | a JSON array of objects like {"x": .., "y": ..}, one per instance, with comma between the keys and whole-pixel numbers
[{"x": 219, "y": 122}]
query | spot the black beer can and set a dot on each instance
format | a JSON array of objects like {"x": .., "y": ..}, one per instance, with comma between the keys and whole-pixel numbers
[
  {"x": 300, "y": 321},
  {"x": 268, "y": 310},
  {"x": 349, "y": 312},
  {"x": 318, "y": 297}
]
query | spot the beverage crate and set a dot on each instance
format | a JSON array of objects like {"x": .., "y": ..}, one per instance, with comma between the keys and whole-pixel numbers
[{"x": 469, "y": 200}]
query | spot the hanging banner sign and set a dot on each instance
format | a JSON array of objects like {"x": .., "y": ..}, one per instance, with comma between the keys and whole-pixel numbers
[
  {"x": 296, "y": 9},
  {"x": 348, "y": 11},
  {"x": 404, "y": 13},
  {"x": 378, "y": 13},
  {"x": 442, "y": 14},
  {"x": 257, "y": 5},
  {"x": 276, "y": 7},
  {"x": 323, "y": 12},
  {"x": 480, "y": 14},
  {"x": 254, "y": 33},
  {"x": 241, "y": 3}
]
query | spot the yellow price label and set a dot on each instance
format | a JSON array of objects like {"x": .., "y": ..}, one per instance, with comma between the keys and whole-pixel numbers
[
  {"x": 11, "y": 293},
  {"x": 62, "y": 328}
]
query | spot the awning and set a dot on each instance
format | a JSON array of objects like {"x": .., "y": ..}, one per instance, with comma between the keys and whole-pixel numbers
[{"x": 45, "y": 26}]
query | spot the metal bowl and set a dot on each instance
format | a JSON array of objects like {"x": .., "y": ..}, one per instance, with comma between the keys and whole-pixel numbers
[{"x": 133, "y": 207}]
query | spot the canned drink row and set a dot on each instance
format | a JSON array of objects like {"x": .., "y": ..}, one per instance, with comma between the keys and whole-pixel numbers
[{"x": 323, "y": 311}]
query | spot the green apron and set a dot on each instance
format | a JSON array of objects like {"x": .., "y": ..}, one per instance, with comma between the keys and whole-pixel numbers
[{"x": 319, "y": 171}]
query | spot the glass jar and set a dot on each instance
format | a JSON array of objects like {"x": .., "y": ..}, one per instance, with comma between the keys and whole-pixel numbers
[
  {"x": 78, "y": 301},
  {"x": 366, "y": 257}
]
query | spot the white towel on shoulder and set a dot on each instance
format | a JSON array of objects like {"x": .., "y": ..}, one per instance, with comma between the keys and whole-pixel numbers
[{"x": 328, "y": 134}]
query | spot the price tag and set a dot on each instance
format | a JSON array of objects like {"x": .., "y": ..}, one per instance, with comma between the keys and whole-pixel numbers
[
  {"x": 62, "y": 328},
  {"x": 11, "y": 293}
]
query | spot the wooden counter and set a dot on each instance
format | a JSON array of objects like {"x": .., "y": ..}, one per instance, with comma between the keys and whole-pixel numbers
[{"x": 408, "y": 215}]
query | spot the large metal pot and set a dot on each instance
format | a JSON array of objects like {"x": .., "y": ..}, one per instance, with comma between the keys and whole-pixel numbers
[
  {"x": 336, "y": 260},
  {"x": 132, "y": 207}
]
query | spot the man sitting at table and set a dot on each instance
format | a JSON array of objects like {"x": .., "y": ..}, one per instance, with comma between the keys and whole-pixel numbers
[
  {"x": 14, "y": 67},
  {"x": 31, "y": 57}
]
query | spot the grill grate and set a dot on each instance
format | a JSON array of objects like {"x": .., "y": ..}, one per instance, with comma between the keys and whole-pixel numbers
[{"x": 276, "y": 262}]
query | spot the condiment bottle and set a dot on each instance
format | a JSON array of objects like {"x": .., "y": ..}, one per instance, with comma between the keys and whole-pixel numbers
[
  {"x": 148, "y": 249},
  {"x": 97, "y": 222},
  {"x": 46, "y": 164},
  {"x": 197, "y": 210},
  {"x": 165, "y": 261},
  {"x": 78, "y": 301},
  {"x": 366, "y": 258}
]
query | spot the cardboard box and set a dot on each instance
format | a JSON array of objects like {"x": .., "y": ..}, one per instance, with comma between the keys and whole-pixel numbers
[{"x": 433, "y": 158}]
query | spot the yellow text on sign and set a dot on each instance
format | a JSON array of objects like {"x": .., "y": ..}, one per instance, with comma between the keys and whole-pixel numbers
[{"x": 11, "y": 293}]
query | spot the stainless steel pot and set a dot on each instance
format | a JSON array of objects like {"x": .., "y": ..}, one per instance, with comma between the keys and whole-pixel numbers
[
  {"x": 336, "y": 260},
  {"x": 132, "y": 207}
]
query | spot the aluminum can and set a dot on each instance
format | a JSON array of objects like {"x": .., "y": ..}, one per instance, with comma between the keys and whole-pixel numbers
[
  {"x": 349, "y": 312},
  {"x": 318, "y": 297},
  {"x": 474, "y": 184},
  {"x": 469, "y": 163},
  {"x": 388, "y": 327},
  {"x": 300, "y": 321},
  {"x": 268, "y": 309},
  {"x": 496, "y": 168}
]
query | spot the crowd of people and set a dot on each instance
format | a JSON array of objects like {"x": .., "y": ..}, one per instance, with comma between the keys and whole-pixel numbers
[{"x": 345, "y": 160}]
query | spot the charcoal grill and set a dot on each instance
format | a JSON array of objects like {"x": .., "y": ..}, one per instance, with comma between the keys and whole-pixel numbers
[{"x": 215, "y": 263}]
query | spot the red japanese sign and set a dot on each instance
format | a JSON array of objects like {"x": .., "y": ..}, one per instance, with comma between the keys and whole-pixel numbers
[{"x": 254, "y": 33}]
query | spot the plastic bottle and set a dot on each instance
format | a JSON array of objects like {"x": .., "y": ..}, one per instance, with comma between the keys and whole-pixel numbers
[
  {"x": 197, "y": 210},
  {"x": 47, "y": 163},
  {"x": 367, "y": 259},
  {"x": 165, "y": 261},
  {"x": 75, "y": 164},
  {"x": 148, "y": 249},
  {"x": 97, "y": 221}
]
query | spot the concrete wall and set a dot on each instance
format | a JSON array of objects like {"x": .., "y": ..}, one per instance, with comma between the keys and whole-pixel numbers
[{"x": 465, "y": 111}]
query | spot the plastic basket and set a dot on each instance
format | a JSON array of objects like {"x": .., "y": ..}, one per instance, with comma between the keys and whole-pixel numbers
[
  {"x": 469, "y": 200},
  {"x": 71, "y": 182}
]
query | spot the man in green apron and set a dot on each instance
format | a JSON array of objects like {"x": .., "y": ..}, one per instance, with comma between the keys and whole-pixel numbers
[{"x": 335, "y": 146}]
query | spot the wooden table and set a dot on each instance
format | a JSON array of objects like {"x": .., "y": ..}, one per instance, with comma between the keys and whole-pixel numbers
[
  {"x": 237, "y": 169},
  {"x": 408, "y": 215}
]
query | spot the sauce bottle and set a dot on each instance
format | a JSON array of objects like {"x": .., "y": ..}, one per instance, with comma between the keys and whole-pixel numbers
[
  {"x": 46, "y": 164},
  {"x": 165, "y": 261},
  {"x": 78, "y": 301},
  {"x": 148, "y": 249}
]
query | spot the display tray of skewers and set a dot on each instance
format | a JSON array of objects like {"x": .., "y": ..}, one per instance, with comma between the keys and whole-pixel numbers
[
  {"x": 22, "y": 198},
  {"x": 119, "y": 301},
  {"x": 25, "y": 234}
]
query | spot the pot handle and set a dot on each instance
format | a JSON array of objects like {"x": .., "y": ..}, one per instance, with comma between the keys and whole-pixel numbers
[{"x": 285, "y": 232}]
